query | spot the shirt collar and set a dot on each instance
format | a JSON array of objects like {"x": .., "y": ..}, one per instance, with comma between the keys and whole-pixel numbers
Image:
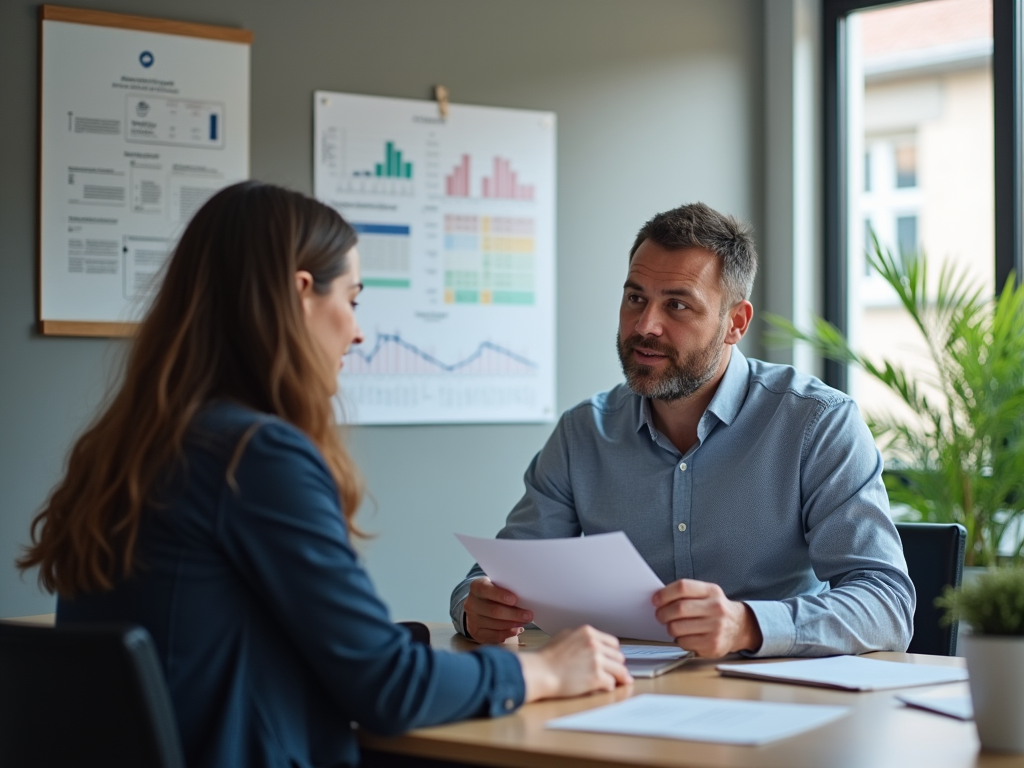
[
  {"x": 732, "y": 389},
  {"x": 726, "y": 403},
  {"x": 644, "y": 418}
]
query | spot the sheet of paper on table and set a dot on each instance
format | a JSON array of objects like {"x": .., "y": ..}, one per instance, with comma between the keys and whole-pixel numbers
[
  {"x": 696, "y": 718},
  {"x": 653, "y": 660},
  {"x": 952, "y": 702},
  {"x": 852, "y": 673},
  {"x": 599, "y": 580}
]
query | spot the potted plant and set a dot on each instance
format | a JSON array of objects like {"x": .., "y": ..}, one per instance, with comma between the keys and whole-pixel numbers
[
  {"x": 960, "y": 457},
  {"x": 993, "y": 606}
]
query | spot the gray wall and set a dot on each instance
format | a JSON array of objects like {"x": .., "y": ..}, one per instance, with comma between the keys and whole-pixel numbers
[{"x": 659, "y": 102}]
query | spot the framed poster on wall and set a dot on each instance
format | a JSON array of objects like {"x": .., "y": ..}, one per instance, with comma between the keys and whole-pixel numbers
[{"x": 141, "y": 120}]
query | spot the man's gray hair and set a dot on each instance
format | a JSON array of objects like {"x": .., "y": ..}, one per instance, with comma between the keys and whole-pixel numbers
[{"x": 698, "y": 226}]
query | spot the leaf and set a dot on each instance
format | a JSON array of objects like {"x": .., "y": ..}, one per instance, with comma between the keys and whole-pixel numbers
[
  {"x": 993, "y": 604},
  {"x": 960, "y": 457}
]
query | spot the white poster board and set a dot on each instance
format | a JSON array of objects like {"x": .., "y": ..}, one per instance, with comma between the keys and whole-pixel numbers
[
  {"x": 141, "y": 121},
  {"x": 456, "y": 221}
]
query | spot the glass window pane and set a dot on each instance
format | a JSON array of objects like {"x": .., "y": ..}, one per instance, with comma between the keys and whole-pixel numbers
[
  {"x": 920, "y": 167},
  {"x": 906, "y": 234},
  {"x": 906, "y": 165}
]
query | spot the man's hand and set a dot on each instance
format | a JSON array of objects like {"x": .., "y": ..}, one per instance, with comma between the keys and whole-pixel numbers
[
  {"x": 703, "y": 620},
  {"x": 491, "y": 613}
]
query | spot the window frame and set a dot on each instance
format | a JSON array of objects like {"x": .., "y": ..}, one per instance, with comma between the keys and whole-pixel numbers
[{"x": 1008, "y": 124}]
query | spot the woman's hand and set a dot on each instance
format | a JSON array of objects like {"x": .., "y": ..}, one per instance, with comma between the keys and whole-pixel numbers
[{"x": 574, "y": 662}]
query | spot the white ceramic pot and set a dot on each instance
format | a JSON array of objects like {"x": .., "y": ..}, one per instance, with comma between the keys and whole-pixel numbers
[
  {"x": 971, "y": 574},
  {"x": 996, "y": 667}
]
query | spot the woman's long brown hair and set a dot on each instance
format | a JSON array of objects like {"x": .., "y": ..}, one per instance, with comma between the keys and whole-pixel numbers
[{"x": 226, "y": 323}]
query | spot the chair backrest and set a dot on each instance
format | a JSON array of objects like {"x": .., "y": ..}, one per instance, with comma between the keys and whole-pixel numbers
[
  {"x": 419, "y": 631},
  {"x": 84, "y": 696},
  {"x": 935, "y": 560}
]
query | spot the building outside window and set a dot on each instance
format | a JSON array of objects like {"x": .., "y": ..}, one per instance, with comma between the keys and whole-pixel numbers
[{"x": 919, "y": 165}]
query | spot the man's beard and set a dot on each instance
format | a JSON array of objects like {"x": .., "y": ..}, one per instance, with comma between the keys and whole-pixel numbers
[{"x": 680, "y": 378}]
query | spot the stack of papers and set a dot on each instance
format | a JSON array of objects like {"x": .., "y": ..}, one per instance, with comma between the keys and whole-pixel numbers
[
  {"x": 701, "y": 719},
  {"x": 852, "y": 673}
]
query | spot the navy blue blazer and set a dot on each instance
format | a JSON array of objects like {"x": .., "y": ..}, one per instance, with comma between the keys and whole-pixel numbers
[{"x": 272, "y": 638}]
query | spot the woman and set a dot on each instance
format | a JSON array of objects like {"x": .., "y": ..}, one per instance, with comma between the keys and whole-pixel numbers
[{"x": 212, "y": 503}]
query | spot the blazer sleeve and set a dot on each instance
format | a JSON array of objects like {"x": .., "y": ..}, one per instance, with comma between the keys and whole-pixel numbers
[{"x": 282, "y": 529}]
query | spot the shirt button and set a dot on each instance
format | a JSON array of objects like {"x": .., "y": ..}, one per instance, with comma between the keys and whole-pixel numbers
[
  {"x": 682, "y": 467},
  {"x": 682, "y": 527},
  {"x": 509, "y": 705}
]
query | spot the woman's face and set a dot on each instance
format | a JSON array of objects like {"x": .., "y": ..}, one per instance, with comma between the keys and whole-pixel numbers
[{"x": 330, "y": 317}]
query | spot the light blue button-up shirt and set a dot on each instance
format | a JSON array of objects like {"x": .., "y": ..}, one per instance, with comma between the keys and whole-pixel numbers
[{"x": 780, "y": 502}]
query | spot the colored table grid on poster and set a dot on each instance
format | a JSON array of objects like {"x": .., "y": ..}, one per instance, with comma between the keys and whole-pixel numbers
[{"x": 456, "y": 239}]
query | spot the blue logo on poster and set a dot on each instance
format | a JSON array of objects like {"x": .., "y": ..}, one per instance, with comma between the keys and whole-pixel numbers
[{"x": 146, "y": 59}]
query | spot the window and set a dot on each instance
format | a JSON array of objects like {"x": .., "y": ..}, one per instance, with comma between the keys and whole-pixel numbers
[
  {"x": 922, "y": 151},
  {"x": 906, "y": 234},
  {"x": 906, "y": 165},
  {"x": 889, "y": 207}
]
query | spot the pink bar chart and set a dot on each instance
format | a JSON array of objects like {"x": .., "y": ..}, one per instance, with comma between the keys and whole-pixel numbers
[
  {"x": 456, "y": 183},
  {"x": 504, "y": 184}
]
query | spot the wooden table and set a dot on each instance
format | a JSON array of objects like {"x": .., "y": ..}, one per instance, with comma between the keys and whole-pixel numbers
[{"x": 879, "y": 732}]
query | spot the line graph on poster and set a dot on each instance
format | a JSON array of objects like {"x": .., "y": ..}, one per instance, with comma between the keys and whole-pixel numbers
[{"x": 390, "y": 354}]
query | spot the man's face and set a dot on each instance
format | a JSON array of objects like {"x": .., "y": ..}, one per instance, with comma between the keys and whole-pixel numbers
[{"x": 671, "y": 322}]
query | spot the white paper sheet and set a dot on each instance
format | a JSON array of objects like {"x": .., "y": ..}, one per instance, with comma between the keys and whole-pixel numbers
[
  {"x": 599, "y": 580},
  {"x": 701, "y": 719},
  {"x": 853, "y": 673},
  {"x": 953, "y": 703}
]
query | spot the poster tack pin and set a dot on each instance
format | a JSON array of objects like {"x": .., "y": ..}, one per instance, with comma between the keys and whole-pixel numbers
[{"x": 441, "y": 95}]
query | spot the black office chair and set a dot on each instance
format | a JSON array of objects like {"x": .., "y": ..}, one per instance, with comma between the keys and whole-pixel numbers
[
  {"x": 419, "y": 631},
  {"x": 84, "y": 696},
  {"x": 935, "y": 560}
]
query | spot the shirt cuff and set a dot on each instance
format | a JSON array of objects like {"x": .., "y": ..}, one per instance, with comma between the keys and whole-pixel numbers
[
  {"x": 509, "y": 691},
  {"x": 458, "y": 616},
  {"x": 778, "y": 631}
]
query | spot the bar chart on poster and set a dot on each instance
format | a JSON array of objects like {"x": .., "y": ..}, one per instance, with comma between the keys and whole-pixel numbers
[{"x": 455, "y": 218}]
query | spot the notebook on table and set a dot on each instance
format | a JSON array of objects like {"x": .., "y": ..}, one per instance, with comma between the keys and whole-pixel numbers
[{"x": 653, "y": 660}]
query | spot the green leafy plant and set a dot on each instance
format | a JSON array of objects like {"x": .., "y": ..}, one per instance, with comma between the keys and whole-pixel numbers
[
  {"x": 993, "y": 603},
  {"x": 961, "y": 457}
]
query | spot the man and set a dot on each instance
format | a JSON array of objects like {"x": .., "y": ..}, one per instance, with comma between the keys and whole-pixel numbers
[{"x": 753, "y": 491}]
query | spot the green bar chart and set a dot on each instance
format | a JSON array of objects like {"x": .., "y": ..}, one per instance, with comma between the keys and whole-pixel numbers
[
  {"x": 372, "y": 166},
  {"x": 393, "y": 167}
]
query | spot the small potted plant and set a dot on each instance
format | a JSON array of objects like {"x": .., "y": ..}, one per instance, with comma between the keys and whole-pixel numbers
[{"x": 993, "y": 606}]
